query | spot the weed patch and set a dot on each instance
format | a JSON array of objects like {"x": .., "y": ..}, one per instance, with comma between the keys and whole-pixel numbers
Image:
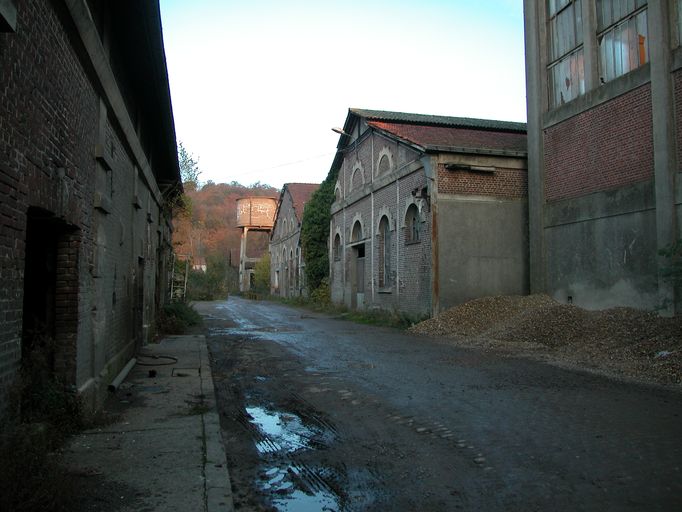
[{"x": 176, "y": 318}]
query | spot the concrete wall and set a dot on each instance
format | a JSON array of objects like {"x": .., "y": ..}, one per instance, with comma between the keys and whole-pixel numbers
[
  {"x": 72, "y": 167},
  {"x": 482, "y": 228},
  {"x": 483, "y": 248},
  {"x": 601, "y": 248},
  {"x": 603, "y": 170}
]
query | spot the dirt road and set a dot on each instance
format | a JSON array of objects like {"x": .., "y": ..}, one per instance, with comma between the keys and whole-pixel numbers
[{"x": 324, "y": 414}]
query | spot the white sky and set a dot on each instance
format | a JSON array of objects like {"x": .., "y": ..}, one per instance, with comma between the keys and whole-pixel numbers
[{"x": 257, "y": 85}]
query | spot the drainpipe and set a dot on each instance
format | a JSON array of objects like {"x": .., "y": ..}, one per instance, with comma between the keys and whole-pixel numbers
[
  {"x": 431, "y": 171},
  {"x": 121, "y": 376}
]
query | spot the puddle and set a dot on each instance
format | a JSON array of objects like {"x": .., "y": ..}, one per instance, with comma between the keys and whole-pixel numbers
[
  {"x": 292, "y": 485},
  {"x": 281, "y": 431}
]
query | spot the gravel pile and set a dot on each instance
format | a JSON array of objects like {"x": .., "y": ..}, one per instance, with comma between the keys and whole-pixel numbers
[{"x": 621, "y": 341}]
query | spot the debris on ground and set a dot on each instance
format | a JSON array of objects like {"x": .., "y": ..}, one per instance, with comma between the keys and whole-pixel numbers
[{"x": 622, "y": 341}]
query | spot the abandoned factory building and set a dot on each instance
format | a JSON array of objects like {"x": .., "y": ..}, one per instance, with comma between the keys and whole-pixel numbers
[
  {"x": 88, "y": 162},
  {"x": 604, "y": 85},
  {"x": 287, "y": 266},
  {"x": 429, "y": 211}
]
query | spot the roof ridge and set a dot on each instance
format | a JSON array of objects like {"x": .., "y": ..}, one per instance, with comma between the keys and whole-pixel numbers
[{"x": 427, "y": 119}]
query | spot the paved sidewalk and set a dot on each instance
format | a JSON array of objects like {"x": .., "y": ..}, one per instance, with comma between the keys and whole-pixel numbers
[{"x": 164, "y": 451}]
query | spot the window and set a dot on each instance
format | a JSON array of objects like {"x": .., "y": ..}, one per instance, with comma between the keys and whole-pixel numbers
[
  {"x": 384, "y": 165},
  {"x": 412, "y": 224},
  {"x": 622, "y": 36},
  {"x": 357, "y": 180},
  {"x": 384, "y": 249},
  {"x": 337, "y": 247},
  {"x": 566, "y": 71},
  {"x": 337, "y": 193},
  {"x": 356, "y": 234}
]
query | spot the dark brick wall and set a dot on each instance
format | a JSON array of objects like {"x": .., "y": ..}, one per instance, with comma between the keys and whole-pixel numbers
[
  {"x": 113, "y": 234},
  {"x": 48, "y": 118},
  {"x": 608, "y": 146}
]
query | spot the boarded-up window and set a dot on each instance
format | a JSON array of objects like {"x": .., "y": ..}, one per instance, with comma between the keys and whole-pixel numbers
[
  {"x": 384, "y": 249},
  {"x": 412, "y": 224},
  {"x": 384, "y": 165}
]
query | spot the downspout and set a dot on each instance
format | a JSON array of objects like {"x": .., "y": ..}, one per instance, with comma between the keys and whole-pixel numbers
[{"x": 431, "y": 171}]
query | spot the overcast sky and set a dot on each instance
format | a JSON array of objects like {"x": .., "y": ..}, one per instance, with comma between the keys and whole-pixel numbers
[{"x": 257, "y": 85}]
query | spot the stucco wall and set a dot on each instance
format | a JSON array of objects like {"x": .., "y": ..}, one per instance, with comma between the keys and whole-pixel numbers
[{"x": 483, "y": 245}]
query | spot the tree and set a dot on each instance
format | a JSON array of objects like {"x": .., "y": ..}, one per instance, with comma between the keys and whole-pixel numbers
[
  {"x": 315, "y": 231},
  {"x": 189, "y": 169},
  {"x": 261, "y": 274}
]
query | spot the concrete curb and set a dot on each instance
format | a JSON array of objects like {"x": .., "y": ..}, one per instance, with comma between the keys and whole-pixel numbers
[
  {"x": 164, "y": 452},
  {"x": 218, "y": 487}
]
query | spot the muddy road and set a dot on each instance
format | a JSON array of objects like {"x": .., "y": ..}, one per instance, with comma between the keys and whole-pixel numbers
[{"x": 323, "y": 414}]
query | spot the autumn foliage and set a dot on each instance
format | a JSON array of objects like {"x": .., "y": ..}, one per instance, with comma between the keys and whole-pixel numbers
[{"x": 205, "y": 230}]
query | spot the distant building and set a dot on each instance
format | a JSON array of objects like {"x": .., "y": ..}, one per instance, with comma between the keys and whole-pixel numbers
[
  {"x": 88, "y": 164},
  {"x": 430, "y": 211},
  {"x": 604, "y": 86},
  {"x": 287, "y": 266}
]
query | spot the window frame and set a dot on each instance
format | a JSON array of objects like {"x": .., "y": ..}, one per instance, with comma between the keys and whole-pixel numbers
[
  {"x": 336, "y": 247},
  {"x": 611, "y": 35},
  {"x": 384, "y": 250},
  {"x": 412, "y": 231},
  {"x": 565, "y": 60}
]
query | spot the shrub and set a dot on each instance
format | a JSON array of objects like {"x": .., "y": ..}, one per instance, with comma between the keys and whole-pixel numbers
[{"x": 176, "y": 318}]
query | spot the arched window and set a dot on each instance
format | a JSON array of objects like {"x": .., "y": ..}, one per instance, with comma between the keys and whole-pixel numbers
[
  {"x": 356, "y": 234},
  {"x": 337, "y": 193},
  {"x": 284, "y": 227},
  {"x": 337, "y": 247},
  {"x": 357, "y": 179},
  {"x": 412, "y": 224},
  {"x": 384, "y": 165},
  {"x": 384, "y": 248}
]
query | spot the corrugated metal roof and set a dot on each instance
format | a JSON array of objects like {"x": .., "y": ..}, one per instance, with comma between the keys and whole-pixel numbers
[{"x": 423, "y": 119}]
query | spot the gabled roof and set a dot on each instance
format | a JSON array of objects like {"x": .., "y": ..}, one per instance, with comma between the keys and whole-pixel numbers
[
  {"x": 430, "y": 120},
  {"x": 445, "y": 137},
  {"x": 300, "y": 194},
  {"x": 439, "y": 133}
]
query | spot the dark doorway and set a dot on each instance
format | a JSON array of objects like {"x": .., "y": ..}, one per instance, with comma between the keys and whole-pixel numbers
[{"x": 50, "y": 305}]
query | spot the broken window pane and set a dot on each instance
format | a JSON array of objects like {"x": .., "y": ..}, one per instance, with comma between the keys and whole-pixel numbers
[{"x": 566, "y": 71}]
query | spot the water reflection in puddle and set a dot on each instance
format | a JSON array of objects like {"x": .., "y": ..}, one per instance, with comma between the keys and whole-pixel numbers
[{"x": 292, "y": 486}]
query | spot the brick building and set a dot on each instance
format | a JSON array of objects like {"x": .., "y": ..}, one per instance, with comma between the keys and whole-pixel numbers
[
  {"x": 88, "y": 162},
  {"x": 429, "y": 211},
  {"x": 287, "y": 267},
  {"x": 604, "y": 86}
]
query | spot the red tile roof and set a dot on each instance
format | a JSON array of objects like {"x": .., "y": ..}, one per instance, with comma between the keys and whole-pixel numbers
[
  {"x": 300, "y": 194},
  {"x": 455, "y": 137}
]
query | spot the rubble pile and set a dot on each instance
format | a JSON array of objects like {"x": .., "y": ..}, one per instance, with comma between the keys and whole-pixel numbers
[{"x": 623, "y": 341}]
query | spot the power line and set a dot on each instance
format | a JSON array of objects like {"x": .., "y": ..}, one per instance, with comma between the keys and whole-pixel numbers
[{"x": 285, "y": 164}]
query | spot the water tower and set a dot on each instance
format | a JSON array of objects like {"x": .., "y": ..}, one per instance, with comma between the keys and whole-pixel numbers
[{"x": 253, "y": 214}]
